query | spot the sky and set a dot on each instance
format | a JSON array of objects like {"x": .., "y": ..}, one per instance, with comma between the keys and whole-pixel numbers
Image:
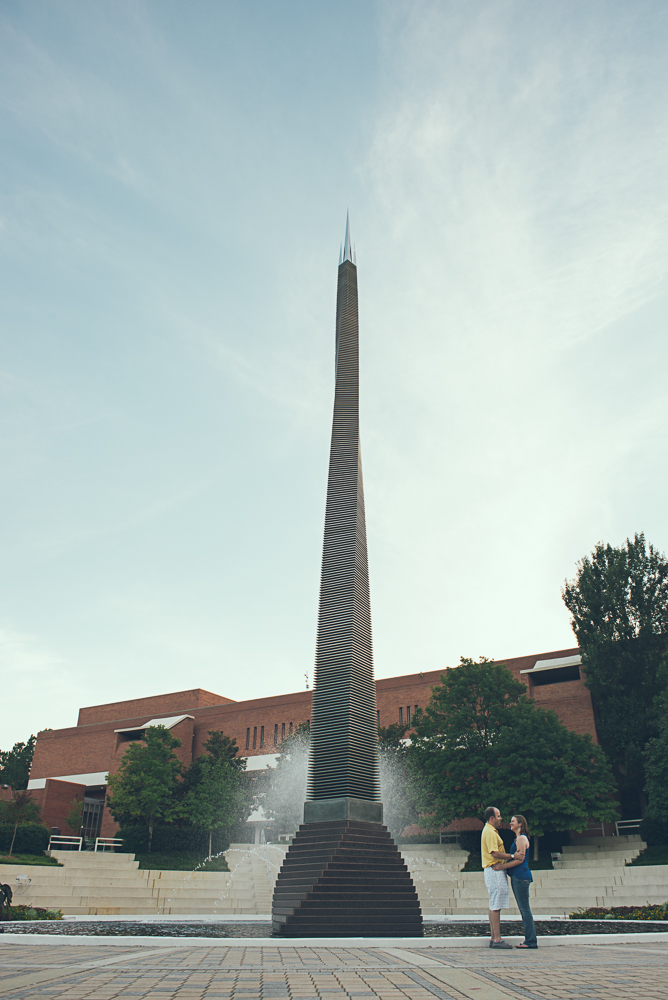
[{"x": 174, "y": 181}]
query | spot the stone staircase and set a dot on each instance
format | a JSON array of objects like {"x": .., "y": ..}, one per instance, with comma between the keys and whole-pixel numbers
[
  {"x": 107, "y": 884},
  {"x": 596, "y": 852},
  {"x": 592, "y": 873}
]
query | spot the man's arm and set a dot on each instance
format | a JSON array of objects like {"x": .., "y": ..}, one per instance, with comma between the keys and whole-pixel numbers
[
  {"x": 501, "y": 867},
  {"x": 513, "y": 859}
]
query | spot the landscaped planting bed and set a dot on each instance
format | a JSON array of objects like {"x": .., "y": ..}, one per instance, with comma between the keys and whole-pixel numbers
[{"x": 651, "y": 911}]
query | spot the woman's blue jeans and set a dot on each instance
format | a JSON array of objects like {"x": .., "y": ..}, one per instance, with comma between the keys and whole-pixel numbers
[{"x": 521, "y": 894}]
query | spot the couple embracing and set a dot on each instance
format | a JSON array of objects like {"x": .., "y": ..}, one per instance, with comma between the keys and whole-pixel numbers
[{"x": 496, "y": 863}]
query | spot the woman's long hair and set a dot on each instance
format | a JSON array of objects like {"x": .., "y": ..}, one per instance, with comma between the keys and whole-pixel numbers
[{"x": 524, "y": 826}]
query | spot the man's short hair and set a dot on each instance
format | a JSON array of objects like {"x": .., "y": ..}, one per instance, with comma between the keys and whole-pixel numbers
[{"x": 490, "y": 813}]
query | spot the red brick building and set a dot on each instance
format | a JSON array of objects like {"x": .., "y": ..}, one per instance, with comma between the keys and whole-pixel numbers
[{"x": 73, "y": 763}]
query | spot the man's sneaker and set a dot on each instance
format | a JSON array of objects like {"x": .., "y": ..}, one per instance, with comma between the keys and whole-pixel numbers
[{"x": 500, "y": 944}]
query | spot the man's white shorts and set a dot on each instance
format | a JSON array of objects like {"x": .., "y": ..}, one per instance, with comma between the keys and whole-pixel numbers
[{"x": 497, "y": 887}]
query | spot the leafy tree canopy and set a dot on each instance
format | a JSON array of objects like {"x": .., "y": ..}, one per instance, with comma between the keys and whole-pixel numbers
[
  {"x": 481, "y": 741},
  {"x": 15, "y": 764},
  {"x": 145, "y": 785},
  {"x": 73, "y": 818},
  {"x": 391, "y": 737},
  {"x": 218, "y": 748},
  {"x": 212, "y": 794},
  {"x": 619, "y": 606},
  {"x": 472, "y": 702},
  {"x": 656, "y": 769}
]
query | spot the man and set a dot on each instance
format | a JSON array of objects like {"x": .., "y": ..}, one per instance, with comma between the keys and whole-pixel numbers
[{"x": 496, "y": 882}]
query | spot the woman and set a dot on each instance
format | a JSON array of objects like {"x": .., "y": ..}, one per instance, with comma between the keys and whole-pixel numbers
[{"x": 521, "y": 879}]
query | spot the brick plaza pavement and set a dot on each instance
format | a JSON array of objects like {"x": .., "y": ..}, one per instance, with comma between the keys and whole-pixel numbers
[{"x": 221, "y": 971}]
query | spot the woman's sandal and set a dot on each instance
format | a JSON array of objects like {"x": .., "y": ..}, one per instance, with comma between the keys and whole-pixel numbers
[{"x": 523, "y": 945}]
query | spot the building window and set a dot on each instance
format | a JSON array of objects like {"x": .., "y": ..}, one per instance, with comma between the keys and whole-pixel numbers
[
  {"x": 276, "y": 735},
  {"x": 290, "y": 729},
  {"x": 248, "y": 738},
  {"x": 254, "y": 737},
  {"x": 261, "y": 736},
  {"x": 401, "y": 716},
  {"x": 378, "y": 716},
  {"x": 408, "y": 714},
  {"x": 282, "y": 731},
  {"x": 416, "y": 708}
]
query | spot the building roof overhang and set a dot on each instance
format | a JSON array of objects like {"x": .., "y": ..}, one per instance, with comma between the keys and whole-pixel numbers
[
  {"x": 168, "y": 723},
  {"x": 561, "y": 661}
]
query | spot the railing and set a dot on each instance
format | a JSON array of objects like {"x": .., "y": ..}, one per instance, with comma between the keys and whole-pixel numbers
[
  {"x": 625, "y": 825},
  {"x": 58, "y": 841},
  {"x": 22, "y": 883},
  {"x": 448, "y": 838},
  {"x": 102, "y": 843}
]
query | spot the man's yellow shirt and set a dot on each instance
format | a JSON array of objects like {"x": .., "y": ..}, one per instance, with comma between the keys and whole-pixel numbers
[{"x": 490, "y": 841}]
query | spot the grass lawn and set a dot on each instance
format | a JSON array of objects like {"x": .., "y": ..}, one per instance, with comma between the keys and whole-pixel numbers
[
  {"x": 28, "y": 859},
  {"x": 180, "y": 862},
  {"x": 657, "y": 855}
]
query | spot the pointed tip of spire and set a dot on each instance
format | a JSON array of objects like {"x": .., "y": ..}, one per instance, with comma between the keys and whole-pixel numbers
[{"x": 347, "y": 247}]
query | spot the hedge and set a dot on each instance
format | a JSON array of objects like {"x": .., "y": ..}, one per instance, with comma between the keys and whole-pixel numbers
[
  {"x": 654, "y": 832},
  {"x": 172, "y": 840},
  {"x": 31, "y": 838}
]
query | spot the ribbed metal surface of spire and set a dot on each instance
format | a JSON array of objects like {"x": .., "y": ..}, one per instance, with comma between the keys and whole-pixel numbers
[{"x": 344, "y": 736}]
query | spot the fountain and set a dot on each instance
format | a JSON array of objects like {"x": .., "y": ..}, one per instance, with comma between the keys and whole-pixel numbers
[{"x": 258, "y": 820}]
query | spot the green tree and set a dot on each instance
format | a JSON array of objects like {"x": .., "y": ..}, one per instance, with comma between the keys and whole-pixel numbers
[
  {"x": 455, "y": 737},
  {"x": 20, "y": 809},
  {"x": 619, "y": 606},
  {"x": 212, "y": 793},
  {"x": 146, "y": 783},
  {"x": 15, "y": 764},
  {"x": 482, "y": 741},
  {"x": 656, "y": 769},
  {"x": 558, "y": 779},
  {"x": 73, "y": 818}
]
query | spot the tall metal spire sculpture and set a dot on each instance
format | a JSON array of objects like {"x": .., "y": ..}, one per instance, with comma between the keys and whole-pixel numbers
[
  {"x": 343, "y": 870},
  {"x": 343, "y": 778}
]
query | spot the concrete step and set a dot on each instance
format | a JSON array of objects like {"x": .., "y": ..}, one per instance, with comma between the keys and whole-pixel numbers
[
  {"x": 611, "y": 857},
  {"x": 595, "y": 863},
  {"x": 612, "y": 846},
  {"x": 632, "y": 839},
  {"x": 92, "y": 859}
]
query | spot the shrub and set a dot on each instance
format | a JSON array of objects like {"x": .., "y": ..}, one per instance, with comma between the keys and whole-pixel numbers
[
  {"x": 29, "y": 913},
  {"x": 654, "y": 832},
  {"x": 173, "y": 840},
  {"x": 31, "y": 838},
  {"x": 651, "y": 911},
  {"x": 30, "y": 859}
]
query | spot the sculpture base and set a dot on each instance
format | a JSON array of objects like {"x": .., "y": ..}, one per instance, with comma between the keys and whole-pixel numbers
[
  {"x": 328, "y": 810},
  {"x": 345, "y": 878}
]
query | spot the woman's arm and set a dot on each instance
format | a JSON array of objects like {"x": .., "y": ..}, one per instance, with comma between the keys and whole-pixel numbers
[{"x": 522, "y": 844}]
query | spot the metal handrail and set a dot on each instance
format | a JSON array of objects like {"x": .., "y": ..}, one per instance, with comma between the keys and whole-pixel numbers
[
  {"x": 64, "y": 841},
  {"x": 108, "y": 842},
  {"x": 626, "y": 824}
]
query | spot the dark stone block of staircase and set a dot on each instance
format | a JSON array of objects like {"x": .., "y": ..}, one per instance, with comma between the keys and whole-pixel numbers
[{"x": 345, "y": 878}]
